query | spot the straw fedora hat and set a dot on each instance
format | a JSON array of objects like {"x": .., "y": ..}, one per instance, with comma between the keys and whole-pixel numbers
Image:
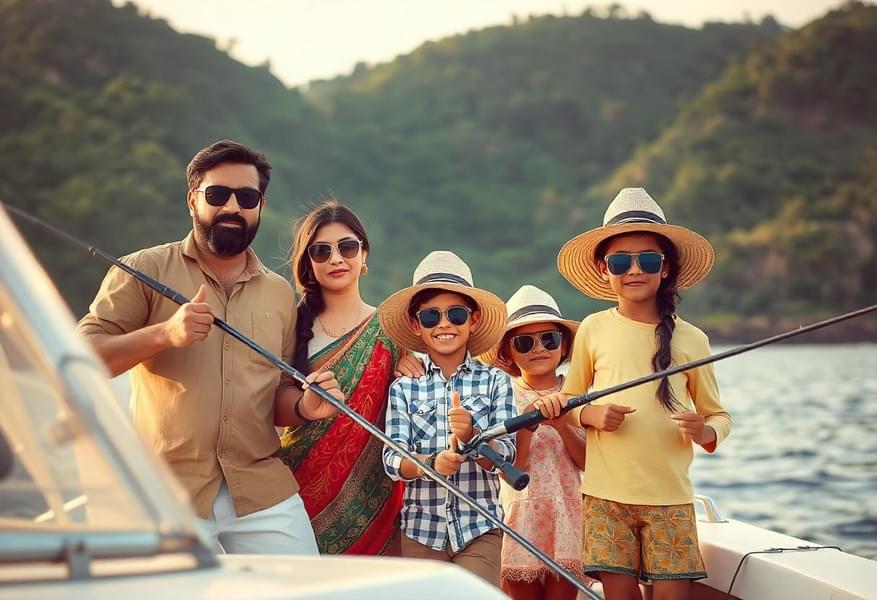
[
  {"x": 632, "y": 210},
  {"x": 443, "y": 270},
  {"x": 530, "y": 305}
]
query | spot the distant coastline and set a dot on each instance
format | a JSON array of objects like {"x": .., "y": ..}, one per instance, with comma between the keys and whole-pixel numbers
[{"x": 749, "y": 329}]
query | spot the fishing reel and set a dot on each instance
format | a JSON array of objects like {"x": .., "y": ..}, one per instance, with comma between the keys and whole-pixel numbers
[{"x": 479, "y": 447}]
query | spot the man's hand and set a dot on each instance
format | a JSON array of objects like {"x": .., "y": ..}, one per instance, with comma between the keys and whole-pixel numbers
[
  {"x": 313, "y": 407},
  {"x": 605, "y": 417},
  {"x": 459, "y": 419},
  {"x": 448, "y": 461},
  {"x": 191, "y": 322}
]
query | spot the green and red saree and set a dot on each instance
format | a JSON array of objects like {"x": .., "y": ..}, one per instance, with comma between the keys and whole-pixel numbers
[{"x": 353, "y": 505}]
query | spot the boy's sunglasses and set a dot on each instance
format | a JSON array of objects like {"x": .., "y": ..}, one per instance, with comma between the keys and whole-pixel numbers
[
  {"x": 526, "y": 342},
  {"x": 218, "y": 195},
  {"x": 430, "y": 317},
  {"x": 320, "y": 252},
  {"x": 619, "y": 263}
]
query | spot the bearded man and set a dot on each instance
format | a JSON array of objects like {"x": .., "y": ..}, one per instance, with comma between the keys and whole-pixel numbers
[{"x": 207, "y": 403}]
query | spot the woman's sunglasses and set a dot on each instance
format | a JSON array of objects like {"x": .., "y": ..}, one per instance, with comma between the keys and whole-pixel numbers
[
  {"x": 526, "y": 342},
  {"x": 218, "y": 195},
  {"x": 619, "y": 263},
  {"x": 320, "y": 252},
  {"x": 430, "y": 317}
]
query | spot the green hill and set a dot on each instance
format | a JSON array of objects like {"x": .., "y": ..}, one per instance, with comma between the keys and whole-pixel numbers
[
  {"x": 776, "y": 162},
  {"x": 481, "y": 142},
  {"x": 102, "y": 108},
  {"x": 499, "y": 144}
]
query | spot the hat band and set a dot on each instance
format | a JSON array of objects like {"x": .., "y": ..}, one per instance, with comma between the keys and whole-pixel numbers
[
  {"x": 635, "y": 216},
  {"x": 532, "y": 310},
  {"x": 443, "y": 278}
]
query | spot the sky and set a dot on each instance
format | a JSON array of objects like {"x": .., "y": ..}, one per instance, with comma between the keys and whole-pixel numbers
[{"x": 320, "y": 39}]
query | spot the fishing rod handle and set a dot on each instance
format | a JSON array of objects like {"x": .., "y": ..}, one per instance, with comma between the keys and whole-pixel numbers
[
  {"x": 531, "y": 419},
  {"x": 515, "y": 477}
]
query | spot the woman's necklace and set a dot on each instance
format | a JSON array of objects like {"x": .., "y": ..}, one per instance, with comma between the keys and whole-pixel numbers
[{"x": 333, "y": 333}]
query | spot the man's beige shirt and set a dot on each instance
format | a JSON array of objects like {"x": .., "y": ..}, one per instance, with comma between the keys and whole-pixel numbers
[{"x": 207, "y": 409}]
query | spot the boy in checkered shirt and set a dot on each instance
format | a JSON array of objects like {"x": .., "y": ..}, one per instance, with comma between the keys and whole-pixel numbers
[{"x": 444, "y": 315}]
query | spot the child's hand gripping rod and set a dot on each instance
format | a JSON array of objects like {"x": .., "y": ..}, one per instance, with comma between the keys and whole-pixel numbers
[
  {"x": 515, "y": 477},
  {"x": 298, "y": 376},
  {"x": 535, "y": 417}
]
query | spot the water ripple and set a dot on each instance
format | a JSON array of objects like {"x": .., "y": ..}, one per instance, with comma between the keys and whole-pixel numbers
[{"x": 802, "y": 458}]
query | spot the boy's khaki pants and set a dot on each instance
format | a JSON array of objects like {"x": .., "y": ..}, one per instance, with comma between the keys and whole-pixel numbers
[{"x": 481, "y": 556}]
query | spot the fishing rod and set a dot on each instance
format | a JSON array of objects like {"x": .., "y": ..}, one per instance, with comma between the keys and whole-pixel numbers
[
  {"x": 298, "y": 376},
  {"x": 535, "y": 417}
]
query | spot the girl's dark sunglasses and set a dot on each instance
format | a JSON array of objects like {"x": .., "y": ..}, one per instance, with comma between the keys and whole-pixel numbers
[
  {"x": 619, "y": 263},
  {"x": 526, "y": 342},
  {"x": 218, "y": 195},
  {"x": 430, "y": 317},
  {"x": 320, "y": 252}
]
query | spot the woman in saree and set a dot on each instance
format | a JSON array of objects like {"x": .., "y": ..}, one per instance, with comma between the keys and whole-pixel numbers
[{"x": 352, "y": 504}]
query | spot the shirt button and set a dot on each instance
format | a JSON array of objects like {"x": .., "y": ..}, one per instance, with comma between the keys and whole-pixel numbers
[
  {"x": 219, "y": 454},
  {"x": 227, "y": 347},
  {"x": 227, "y": 381},
  {"x": 225, "y": 418}
]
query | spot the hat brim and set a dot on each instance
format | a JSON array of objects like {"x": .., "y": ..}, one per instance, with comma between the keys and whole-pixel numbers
[
  {"x": 577, "y": 261},
  {"x": 393, "y": 314},
  {"x": 491, "y": 356}
]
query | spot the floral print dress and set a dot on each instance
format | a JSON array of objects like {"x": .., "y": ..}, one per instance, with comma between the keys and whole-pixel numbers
[{"x": 548, "y": 511}]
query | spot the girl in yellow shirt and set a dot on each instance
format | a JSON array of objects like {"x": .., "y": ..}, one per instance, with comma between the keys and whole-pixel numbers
[{"x": 638, "y": 515}]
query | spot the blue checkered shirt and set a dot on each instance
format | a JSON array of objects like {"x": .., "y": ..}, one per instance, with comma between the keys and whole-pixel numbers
[{"x": 417, "y": 418}]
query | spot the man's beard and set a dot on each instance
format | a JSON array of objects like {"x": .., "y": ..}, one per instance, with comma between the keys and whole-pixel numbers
[{"x": 226, "y": 241}]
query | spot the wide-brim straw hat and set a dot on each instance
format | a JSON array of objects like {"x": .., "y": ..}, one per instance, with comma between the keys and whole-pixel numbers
[
  {"x": 443, "y": 270},
  {"x": 526, "y": 306},
  {"x": 632, "y": 210}
]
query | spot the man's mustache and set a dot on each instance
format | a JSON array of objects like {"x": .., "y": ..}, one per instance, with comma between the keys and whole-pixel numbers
[{"x": 230, "y": 219}]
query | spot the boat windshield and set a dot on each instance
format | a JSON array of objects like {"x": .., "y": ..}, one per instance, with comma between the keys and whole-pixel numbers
[
  {"x": 61, "y": 477},
  {"x": 74, "y": 474}
]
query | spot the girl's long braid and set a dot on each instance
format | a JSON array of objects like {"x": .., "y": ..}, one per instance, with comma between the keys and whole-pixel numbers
[{"x": 666, "y": 299}]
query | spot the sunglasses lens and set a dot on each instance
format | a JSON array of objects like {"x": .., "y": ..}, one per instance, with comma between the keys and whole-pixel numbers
[
  {"x": 551, "y": 340},
  {"x": 650, "y": 262},
  {"x": 458, "y": 315},
  {"x": 618, "y": 264},
  {"x": 348, "y": 248},
  {"x": 523, "y": 343},
  {"x": 429, "y": 317},
  {"x": 320, "y": 253},
  {"x": 248, "y": 197},
  {"x": 217, "y": 195}
]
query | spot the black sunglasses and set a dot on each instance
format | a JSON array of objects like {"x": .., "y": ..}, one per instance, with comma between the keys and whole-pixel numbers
[
  {"x": 320, "y": 252},
  {"x": 430, "y": 317},
  {"x": 218, "y": 195},
  {"x": 526, "y": 342},
  {"x": 619, "y": 263}
]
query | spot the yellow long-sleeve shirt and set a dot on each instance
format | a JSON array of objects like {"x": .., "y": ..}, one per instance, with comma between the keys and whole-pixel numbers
[{"x": 646, "y": 460}]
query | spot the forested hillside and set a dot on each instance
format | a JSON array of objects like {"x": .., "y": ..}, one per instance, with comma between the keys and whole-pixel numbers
[{"x": 499, "y": 144}]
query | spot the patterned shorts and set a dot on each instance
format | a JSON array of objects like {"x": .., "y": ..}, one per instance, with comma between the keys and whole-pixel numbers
[{"x": 651, "y": 542}]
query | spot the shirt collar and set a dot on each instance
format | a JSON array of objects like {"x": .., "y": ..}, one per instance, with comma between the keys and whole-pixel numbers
[{"x": 467, "y": 366}]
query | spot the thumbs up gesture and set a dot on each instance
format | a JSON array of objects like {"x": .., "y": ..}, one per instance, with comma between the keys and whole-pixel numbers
[
  {"x": 459, "y": 419},
  {"x": 191, "y": 322}
]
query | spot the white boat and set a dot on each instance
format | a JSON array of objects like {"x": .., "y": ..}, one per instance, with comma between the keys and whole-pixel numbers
[{"x": 88, "y": 512}]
